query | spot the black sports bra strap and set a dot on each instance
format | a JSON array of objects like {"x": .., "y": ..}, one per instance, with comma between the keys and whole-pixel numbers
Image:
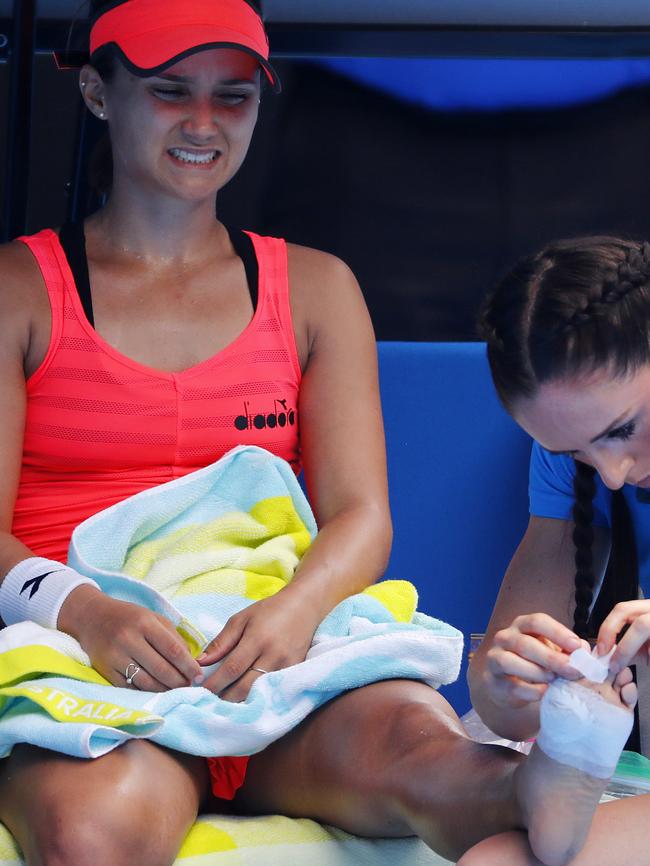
[
  {"x": 73, "y": 241},
  {"x": 244, "y": 248}
]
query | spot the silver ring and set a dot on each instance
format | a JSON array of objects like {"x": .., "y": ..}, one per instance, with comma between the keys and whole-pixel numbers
[
  {"x": 259, "y": 670},
  {"x": 129, "y": 674}
]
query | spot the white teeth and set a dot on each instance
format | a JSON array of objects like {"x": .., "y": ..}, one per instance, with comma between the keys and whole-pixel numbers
[{"x": 194, "y": 158}]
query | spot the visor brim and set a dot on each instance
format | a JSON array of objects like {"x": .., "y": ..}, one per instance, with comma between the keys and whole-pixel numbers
[{"x": 145, "y": 63}]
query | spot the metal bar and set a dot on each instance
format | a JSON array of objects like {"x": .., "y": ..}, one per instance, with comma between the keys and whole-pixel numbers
[
  {"x": 19, "y": 119},
  {"x": 337, "y": 40},
  {"x": 77, "y": 186},
  {"x": 567, "y": 13},
  {"x": 570, "y": 14},
  {"x": 309, "y": 40},
  {"x": 299, "y": 41}
]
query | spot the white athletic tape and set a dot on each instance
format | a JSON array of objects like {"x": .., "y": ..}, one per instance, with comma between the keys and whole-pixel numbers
[
  {"x": 580, "y": 728},
  {"x": 591, "y": 665}
]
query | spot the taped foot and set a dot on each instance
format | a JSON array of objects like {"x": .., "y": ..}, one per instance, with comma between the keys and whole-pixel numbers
[
  {"x": 584, "y": 726},
  {"x": 583, "y": 729}
]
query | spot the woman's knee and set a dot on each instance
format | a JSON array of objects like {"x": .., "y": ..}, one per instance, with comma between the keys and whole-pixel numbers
[
  {"x": 117, "y": 828},
  {"x": 414, "y": 728},
  {"x": 66, "y": 839},
  {"x": 134, "y": 805},
  {"x": 409, "y": 738},
  {"x": 427, "y": 761}
]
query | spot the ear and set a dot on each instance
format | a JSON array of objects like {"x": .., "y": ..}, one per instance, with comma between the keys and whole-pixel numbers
[{"x": 93, "y": 91}]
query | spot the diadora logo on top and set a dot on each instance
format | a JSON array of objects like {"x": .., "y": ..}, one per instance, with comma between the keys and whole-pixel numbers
[{"x": 280, "y": 416}]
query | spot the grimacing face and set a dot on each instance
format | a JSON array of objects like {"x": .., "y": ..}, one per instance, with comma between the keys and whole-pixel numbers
[
  {"x": 184, "y": 132},
  {"x": 599, "y": 418}
]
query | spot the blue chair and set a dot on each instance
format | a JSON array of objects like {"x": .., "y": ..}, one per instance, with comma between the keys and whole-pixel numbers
[{"x": 458, "y": 475}]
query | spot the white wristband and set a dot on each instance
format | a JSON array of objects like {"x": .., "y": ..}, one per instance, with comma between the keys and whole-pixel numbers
[{"x": 35, "y": 590}]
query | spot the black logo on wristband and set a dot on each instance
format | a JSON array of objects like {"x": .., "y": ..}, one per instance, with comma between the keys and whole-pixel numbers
[{"x": 36, "y": 582}]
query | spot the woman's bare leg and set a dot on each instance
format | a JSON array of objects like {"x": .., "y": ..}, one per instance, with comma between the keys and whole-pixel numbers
[
  {"x": 618, "y": 837},
  {"x": 390, "y": 759},
  {"x": 134, "y": 805}
]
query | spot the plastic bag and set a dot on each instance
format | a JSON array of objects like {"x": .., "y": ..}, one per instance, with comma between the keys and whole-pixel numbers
[{"x": 479, "y": 731}]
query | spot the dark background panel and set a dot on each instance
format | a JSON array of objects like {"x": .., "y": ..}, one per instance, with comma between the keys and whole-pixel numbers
[
  {"x": 427, "y": 206},
  {"x": 430, "y": 207}
]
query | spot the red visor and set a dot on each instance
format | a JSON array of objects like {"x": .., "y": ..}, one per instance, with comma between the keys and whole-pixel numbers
[{"x": 151, "y": 35}]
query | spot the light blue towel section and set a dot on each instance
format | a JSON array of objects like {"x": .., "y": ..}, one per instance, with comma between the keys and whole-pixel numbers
[{"x": 360, "y": 642}]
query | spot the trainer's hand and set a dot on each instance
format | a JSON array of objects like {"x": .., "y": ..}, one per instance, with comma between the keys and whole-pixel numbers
[
  {"x": 634, "y": 646},
  {"x": 526, "y": 657},
  {"x": 117, "y": 633},
  {"x": 271, "y": 634}
]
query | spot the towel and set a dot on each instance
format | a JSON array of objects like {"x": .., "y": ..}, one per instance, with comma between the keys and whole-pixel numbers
[
  {"x": 273, "y": 840},
  {"x": 197, "y": 550}
]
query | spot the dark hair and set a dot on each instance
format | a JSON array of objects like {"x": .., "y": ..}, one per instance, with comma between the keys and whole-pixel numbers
[
  {"x": 100, "y": 161},
  {"x": 103, "y": 60},
  {"x": 577, "y": 306}
]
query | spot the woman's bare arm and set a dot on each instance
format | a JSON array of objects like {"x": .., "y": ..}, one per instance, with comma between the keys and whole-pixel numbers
[
  {"x": 343, "y": 452},
  {"x": 110, "y": 631},
  {"x": 19, "y": 299},
  {"x": 342, "y": 436},
  {"x": 529, "y": 632}
]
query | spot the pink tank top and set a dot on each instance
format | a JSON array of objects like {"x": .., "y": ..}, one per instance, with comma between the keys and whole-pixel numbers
[{"x": 101, "y": 427}]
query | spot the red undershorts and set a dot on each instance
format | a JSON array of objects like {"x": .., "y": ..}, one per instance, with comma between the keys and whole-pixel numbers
[{"x": 227, "y": 775}]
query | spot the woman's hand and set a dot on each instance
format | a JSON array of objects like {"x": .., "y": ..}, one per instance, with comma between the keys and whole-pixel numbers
[
  {"x": 526, "y": 657},
  {"x": 634, "y": 646},
  {"x": 271, "y": 634},
  {"x": 116, "y": 634}
]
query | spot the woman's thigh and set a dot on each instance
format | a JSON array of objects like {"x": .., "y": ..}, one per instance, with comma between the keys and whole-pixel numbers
[{"x": 133, "y": 805}]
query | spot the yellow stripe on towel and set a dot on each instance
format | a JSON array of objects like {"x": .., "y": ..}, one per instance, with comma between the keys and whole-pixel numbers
[
  {"x": 250, "y": 554},
  {"x": 398, "y": 596},
  {"x": 205, "y": 838},
  {"x": 243, "y": 832},
  {"x": 66, "y": 707},
  {"x": 29, "y": 662},
  {"x": 280, "y": 517}
]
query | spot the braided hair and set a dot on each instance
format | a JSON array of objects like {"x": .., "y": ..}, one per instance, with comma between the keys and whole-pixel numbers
[{"x": 576, "y": 307}]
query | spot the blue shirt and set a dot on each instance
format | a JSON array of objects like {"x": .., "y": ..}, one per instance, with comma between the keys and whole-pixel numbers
[{"x": 550, "y": 491}]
